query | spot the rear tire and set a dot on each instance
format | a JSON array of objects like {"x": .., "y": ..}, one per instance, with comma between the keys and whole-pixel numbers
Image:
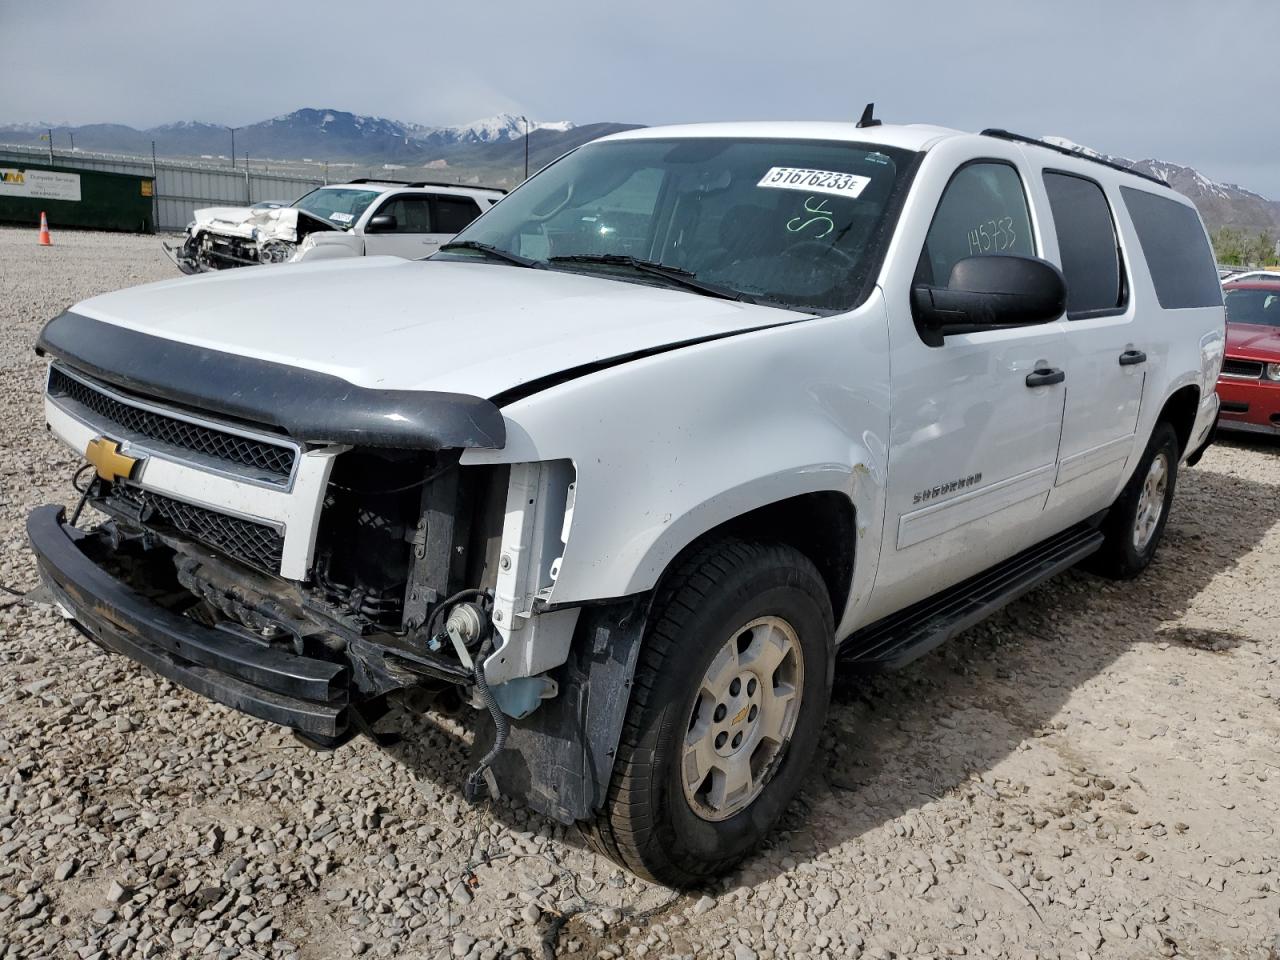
[
  {"x": 1136, "y": 521},
  {"x": 730, "y": 695}
]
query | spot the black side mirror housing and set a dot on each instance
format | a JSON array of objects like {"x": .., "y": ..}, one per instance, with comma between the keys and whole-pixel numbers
[
  {"x": 1000, "y": 290},
  {"x": 382, "y": 223}
]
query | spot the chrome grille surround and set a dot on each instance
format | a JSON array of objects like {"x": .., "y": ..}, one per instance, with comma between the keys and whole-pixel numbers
[{"x": 232, "y": 451}]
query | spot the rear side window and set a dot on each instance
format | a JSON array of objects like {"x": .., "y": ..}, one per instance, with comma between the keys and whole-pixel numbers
[
  {"x": 983, "y": 211},
  {"x": 1176, "y": 250},
  {"x": 1087, "y": 242},
  {"x": 454, "y": 213}
]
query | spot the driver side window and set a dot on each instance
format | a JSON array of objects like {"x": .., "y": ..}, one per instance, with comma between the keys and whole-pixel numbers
[
  {"x": 412, "y": 213},
  {"x": 983, "y": 211}
]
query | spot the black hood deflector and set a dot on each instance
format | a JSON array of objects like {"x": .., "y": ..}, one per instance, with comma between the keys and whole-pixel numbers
[{"x": 309, "y": 406}]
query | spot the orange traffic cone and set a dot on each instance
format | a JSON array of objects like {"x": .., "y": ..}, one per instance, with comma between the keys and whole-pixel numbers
[{"x": 44, "y": 231}]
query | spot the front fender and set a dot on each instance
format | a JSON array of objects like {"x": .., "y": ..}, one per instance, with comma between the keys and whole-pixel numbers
[
  {"x": 647, "y": 560},
  {"x": 329, "y": 246},
  {"x": 670, "y": 446}
]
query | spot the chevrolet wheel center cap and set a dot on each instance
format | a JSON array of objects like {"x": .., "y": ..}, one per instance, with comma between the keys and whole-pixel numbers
[{"x": 107, "y": 459}]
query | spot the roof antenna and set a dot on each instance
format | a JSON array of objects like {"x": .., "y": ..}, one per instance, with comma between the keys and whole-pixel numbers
[{"x": 867, "y": 119}]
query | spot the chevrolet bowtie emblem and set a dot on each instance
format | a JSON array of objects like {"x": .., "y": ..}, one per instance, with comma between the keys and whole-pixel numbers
[{"x": 106, "y": 457}]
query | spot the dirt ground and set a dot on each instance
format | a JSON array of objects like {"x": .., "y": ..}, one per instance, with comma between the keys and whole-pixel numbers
[{"x": 1095, "y": 772}]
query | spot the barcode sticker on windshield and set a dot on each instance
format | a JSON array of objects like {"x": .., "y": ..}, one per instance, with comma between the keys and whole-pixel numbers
[{"x": 814, "y": 181}]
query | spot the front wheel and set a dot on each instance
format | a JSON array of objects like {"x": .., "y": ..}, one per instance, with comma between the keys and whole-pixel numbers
[
  {"x": 1137, "y": 519},
  {"x": 730, "y": 694}
]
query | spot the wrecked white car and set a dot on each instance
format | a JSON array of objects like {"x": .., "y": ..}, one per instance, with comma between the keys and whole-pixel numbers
[{"x": 363, "y": 217}]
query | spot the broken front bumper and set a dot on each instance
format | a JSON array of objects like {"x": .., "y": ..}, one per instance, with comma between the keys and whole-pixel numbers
[{"x": 307, "y": 694}]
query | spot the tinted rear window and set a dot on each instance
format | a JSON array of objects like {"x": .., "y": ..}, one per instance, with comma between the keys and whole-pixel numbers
[
  {"x": 454, "y": 213},
  {"x": 1087, "y": 243},
  {"x": 1176, "y": 250}
]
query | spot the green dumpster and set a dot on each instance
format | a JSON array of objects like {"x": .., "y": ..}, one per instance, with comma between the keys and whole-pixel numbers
[{"x": 73, "y": 197}]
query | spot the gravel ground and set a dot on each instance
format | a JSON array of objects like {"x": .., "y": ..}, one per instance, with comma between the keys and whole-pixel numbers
[{"x": 1093, "y": 773}]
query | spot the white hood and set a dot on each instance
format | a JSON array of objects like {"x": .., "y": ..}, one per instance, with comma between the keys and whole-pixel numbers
[{"x": 386, "y": 323}]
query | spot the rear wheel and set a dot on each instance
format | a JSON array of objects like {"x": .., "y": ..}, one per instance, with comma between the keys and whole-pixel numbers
[
  {"x": 1137, "y": 519},
  {"x": 730, "y": 694}
]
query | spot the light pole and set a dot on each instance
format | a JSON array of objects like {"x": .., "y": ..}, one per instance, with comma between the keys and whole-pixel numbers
[
  {"x": 233, "y": 144},
  {"x": 526, "y": 145}
]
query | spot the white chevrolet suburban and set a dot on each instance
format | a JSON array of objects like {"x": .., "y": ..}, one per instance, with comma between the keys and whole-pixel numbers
[
  {"x": 363, "y": 217},
  {"x": 630, "y": 463}
]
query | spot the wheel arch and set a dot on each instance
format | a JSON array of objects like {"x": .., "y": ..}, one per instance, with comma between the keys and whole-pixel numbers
[
  {"x": 1180, "y": 411},
  {"x": 820, "y": 524}
]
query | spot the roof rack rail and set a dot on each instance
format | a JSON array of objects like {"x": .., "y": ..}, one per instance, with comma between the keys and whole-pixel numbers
[
  {"x": 424, "y": 183},
  {"x": 441, "y": 183},
  {"x": 1065, "y": 151}
]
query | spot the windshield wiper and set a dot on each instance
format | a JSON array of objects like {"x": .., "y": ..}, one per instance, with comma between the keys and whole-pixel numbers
[
  {"x": 677, "y": 276},
  {"x": 496, "y": 252}
]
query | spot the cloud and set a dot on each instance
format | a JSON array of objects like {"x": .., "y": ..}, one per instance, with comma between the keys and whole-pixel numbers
[{"x": 1175, "y": 80}]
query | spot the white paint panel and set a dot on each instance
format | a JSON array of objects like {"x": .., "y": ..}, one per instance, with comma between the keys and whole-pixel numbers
[
  {"x": 940, "y": 518},
  {"x": 1087, "y": 461}
]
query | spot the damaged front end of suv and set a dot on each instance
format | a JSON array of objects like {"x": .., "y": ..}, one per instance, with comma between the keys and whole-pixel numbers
[
  {"x": 305, "y": 550},
  {"x": 222, "y": 238}
]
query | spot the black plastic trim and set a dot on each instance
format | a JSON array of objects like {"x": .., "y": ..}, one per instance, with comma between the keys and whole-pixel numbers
[
  {"x": 1022, "y": 138},
  {"x": 1046, "y": 376},
  {"x": 559, "y": 759},
  {"x": 898, "y": 639},
  {"x": 263, "y": 681},
  {"x": 419, "y": 183},
  {"x": 308, "y": 406},
  {"x": 1209, "y": 439}
]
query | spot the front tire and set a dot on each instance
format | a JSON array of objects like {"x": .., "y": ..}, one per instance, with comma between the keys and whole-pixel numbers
[
  {"x": 730, "y": 695},
  {"x": 1136, "y": 521}
]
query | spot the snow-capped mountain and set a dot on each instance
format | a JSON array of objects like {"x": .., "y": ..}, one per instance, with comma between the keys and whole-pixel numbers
[
  {"x": 1220, "y": 204},
  {"x": 309, "y": 132},
  {"x": 502, "y": 126},
  {"x": 493, "y": 148}
]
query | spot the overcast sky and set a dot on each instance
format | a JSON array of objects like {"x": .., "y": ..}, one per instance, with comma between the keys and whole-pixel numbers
[{"x": 1190, "y": 82}]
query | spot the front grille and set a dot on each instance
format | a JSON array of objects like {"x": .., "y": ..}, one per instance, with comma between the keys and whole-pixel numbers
[
  {"x": 275, "y": 462},
  {"x": 1244, "y": 369},
  {"x": 252, "y": 543}
]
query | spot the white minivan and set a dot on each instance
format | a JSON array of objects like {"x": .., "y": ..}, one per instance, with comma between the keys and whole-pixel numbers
[{"x": 634, "y": 459}]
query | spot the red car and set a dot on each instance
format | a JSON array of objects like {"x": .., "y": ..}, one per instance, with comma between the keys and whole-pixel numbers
[{"x": 1249, "y": 386}]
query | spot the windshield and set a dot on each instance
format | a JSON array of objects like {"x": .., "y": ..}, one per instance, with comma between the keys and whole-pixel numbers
[
  {"x": 797, "y": 224},
  {"x": 340, "y": 206},
  {"x": 1259, "y": 306}
]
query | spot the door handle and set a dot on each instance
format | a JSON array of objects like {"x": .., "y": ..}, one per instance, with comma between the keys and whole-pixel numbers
[
  {"x": 1130, "y": 357},
  {"x": 1045, "y": 376}
]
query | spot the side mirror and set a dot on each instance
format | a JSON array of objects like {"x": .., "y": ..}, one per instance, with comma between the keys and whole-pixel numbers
[
  {"x": 382, "y": 223},
  {"x": 1000, "y": 290}
]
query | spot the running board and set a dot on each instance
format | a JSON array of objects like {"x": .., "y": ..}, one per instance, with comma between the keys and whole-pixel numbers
[{"x": 901, "y": 637}]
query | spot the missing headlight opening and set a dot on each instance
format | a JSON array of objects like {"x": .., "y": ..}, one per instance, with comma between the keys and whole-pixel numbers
[{"x": 410, "y": 550}]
